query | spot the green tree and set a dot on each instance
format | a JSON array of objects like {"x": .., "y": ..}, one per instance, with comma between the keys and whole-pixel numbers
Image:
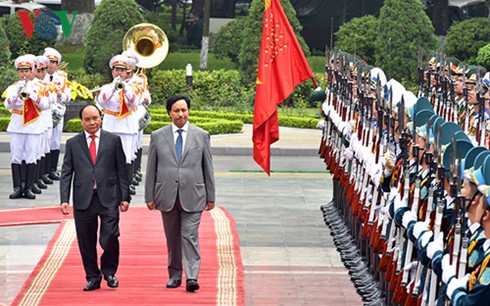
[
  {"x": 228, "y": 41},
  {"x": 483, "y": 57},
  {"x": 4, "y": 48},
  {"x": 358, "y": 37},
  {"x": 112, "y": 19},
  {"x": 465, "y": 38},
  {"x": 252, "y": 35},
  {"x": 404, "y": 27},
  {"x": 19, "y": 43}
]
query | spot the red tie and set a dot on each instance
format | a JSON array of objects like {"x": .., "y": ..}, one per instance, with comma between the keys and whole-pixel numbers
[{"x": 93, "y": 149}]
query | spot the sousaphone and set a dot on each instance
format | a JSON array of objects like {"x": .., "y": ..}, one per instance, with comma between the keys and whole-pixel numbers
[{"x": 148, "y": 42}]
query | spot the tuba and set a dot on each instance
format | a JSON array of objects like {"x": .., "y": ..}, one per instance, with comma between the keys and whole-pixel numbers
[{"x": 150, "y": 44}]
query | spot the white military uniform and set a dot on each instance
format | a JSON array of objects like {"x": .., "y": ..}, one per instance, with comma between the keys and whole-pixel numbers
[
  {"x": 114, "y": 102},
  {"x": 25, "y": 137}
]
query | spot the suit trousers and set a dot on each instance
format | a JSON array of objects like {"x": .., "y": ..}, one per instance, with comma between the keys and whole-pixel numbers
[
  {"x": 87, "y": 223},
  {"x": 182, "y": 234}
]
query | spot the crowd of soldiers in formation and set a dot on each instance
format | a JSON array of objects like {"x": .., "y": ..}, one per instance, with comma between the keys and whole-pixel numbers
[
  {"x": 37, "y": 102},
  {"x": 410, "y": 214}
]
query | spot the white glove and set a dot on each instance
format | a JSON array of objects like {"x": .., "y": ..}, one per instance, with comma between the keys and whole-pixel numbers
[
  {"x": 456, "y": 283},
  {"x": 436, "y": 245},
  {"x": 408, "y": 217},
  {"x": 321, "y": 124},
  {"x": 349, "y": 154},
  {"x": 418, "y": 228},
  {"x": 400, "y": 203},
  {"x": 425, "y": 238},
  {"x": 448, "y": 270}
]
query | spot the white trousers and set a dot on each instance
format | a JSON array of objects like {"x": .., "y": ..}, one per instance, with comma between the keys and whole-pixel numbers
[{"x": 24, "y": 147}]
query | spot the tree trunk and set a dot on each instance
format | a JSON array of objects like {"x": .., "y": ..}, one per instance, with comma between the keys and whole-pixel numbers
[
  {"x": 173, "y": 19},
  {"x": 439, "y": 16},
  {"x": 205, "y": 36}
]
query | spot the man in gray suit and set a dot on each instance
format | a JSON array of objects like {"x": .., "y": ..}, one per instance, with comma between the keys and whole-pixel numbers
[
  {"x": 180, "y": 183},
  {"x": 95, "y": 162}
]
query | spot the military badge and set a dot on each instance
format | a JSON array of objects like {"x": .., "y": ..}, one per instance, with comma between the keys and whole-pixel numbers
[
  {"x": 473, "y": 259},
  {"x": 485, "y": 277}
]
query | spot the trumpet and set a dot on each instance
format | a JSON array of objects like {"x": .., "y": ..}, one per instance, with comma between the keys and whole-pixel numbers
[
  {"x": 23, "y": 93},
  {"x": 119, "y": 83}
]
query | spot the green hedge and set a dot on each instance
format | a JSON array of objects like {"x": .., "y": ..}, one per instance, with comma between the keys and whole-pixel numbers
[
  {"x": 297, "y": 122},
  {"x": 213, "y": 126}
]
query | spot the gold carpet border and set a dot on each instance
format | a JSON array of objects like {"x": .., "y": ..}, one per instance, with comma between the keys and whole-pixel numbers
[
  {"x": 51, "y": 265},
  {"x": 227, "y": 268}
]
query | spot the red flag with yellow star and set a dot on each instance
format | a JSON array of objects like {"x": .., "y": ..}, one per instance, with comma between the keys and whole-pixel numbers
[{"x": 282, "y": 66}]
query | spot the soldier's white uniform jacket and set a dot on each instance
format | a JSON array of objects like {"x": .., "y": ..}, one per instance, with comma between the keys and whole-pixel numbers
[
  {"x": 15, "y": 105},
  {"x": 60, "y": 80},
  {"x": 50, "y": 95},
  {"x": 114, "y": 102}
]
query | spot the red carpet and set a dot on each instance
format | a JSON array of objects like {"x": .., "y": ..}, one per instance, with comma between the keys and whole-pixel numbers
[
  {"x": 37, "y": 215},
  {"x": 58, "y": 279}
]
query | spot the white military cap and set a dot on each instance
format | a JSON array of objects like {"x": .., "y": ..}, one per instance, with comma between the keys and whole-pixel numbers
[
  {"x": 376, "y": 73},
  {"x": 42, "y": 61},
  {"x": 395, "y": 91},
  {"x": 52, "y": 54},
  {"x": 119, "y": 61},
  {"x": 24, "y": 62}
]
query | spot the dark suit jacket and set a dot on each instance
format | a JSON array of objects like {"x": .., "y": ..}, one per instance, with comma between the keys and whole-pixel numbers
[
  {"x": 192, "y": 178},
  {"x": 110, "y": 172}
]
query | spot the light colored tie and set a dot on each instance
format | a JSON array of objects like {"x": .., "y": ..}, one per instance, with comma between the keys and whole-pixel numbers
[{"x": 178, "y": 145}]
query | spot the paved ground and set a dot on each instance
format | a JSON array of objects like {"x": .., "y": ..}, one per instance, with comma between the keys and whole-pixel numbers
[{"x": 288, "y": 255}]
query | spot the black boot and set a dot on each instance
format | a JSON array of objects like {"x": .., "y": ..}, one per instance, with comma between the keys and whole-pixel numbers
[
  {"x": 39, "y": 175},
  {"x": 47, "y": 170},
  {"x": 132, "y": 189},
  {"x": 133, "y": 179},
  {"x": 30, "y": 173},
  {"x": 138, "y": 164},
  {"x": 55, "y": 154},
  {"x": 17, "y": 181}
]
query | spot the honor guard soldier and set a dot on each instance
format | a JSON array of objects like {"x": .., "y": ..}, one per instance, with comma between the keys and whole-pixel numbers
[
  {"x": 143, "y": 117},
  {"x": 118, "y": 99},
  {"x": 474, "y": 288},
  {"x": 45, "y": 147},
  {"x": 25, "y": 128},
  {"x": 63, "y": 95}
]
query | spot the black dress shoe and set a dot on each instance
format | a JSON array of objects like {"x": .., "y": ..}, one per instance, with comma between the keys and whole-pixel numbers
[
  {"x": 191, "y": 285},
  {"x": 35, "y": 189},
  {"x": 46, "y": 179},
  {"x": 174, "y": 283},
  {"x": 17, "y": 194},
  {"x": 112, "y": 281},
  {"x": 92, "y": 285},
  {"x": 41, "y": 185},
  {"x": 54, "y": 176}
]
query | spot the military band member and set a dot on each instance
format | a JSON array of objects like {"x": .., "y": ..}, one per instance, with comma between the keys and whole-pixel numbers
[
  {"x": 25, "y": 128},
  {"x": 63, "y": 95},
  {"x": 117, "y": 100}
]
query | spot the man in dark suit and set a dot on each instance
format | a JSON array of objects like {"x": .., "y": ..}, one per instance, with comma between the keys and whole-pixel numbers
[
  {"x": 180, "y": 183},
  {"x": 95, "y": 161}
]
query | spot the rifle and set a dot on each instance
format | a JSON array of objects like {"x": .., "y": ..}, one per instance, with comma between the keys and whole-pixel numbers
[
  {"x": 455, "y": 194},
  {"x": 430, "y": 198},
  {"x": 481, "y": 129},
  {"x": 466, "y": 124},
  {"x": 441, "y": 204},
  {"x": 465, "y": 240}
]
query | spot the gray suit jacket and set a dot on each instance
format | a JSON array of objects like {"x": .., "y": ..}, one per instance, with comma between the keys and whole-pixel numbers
[
  {"x": 110, "y": 172},
  {"x": 192, "y": 178}
]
